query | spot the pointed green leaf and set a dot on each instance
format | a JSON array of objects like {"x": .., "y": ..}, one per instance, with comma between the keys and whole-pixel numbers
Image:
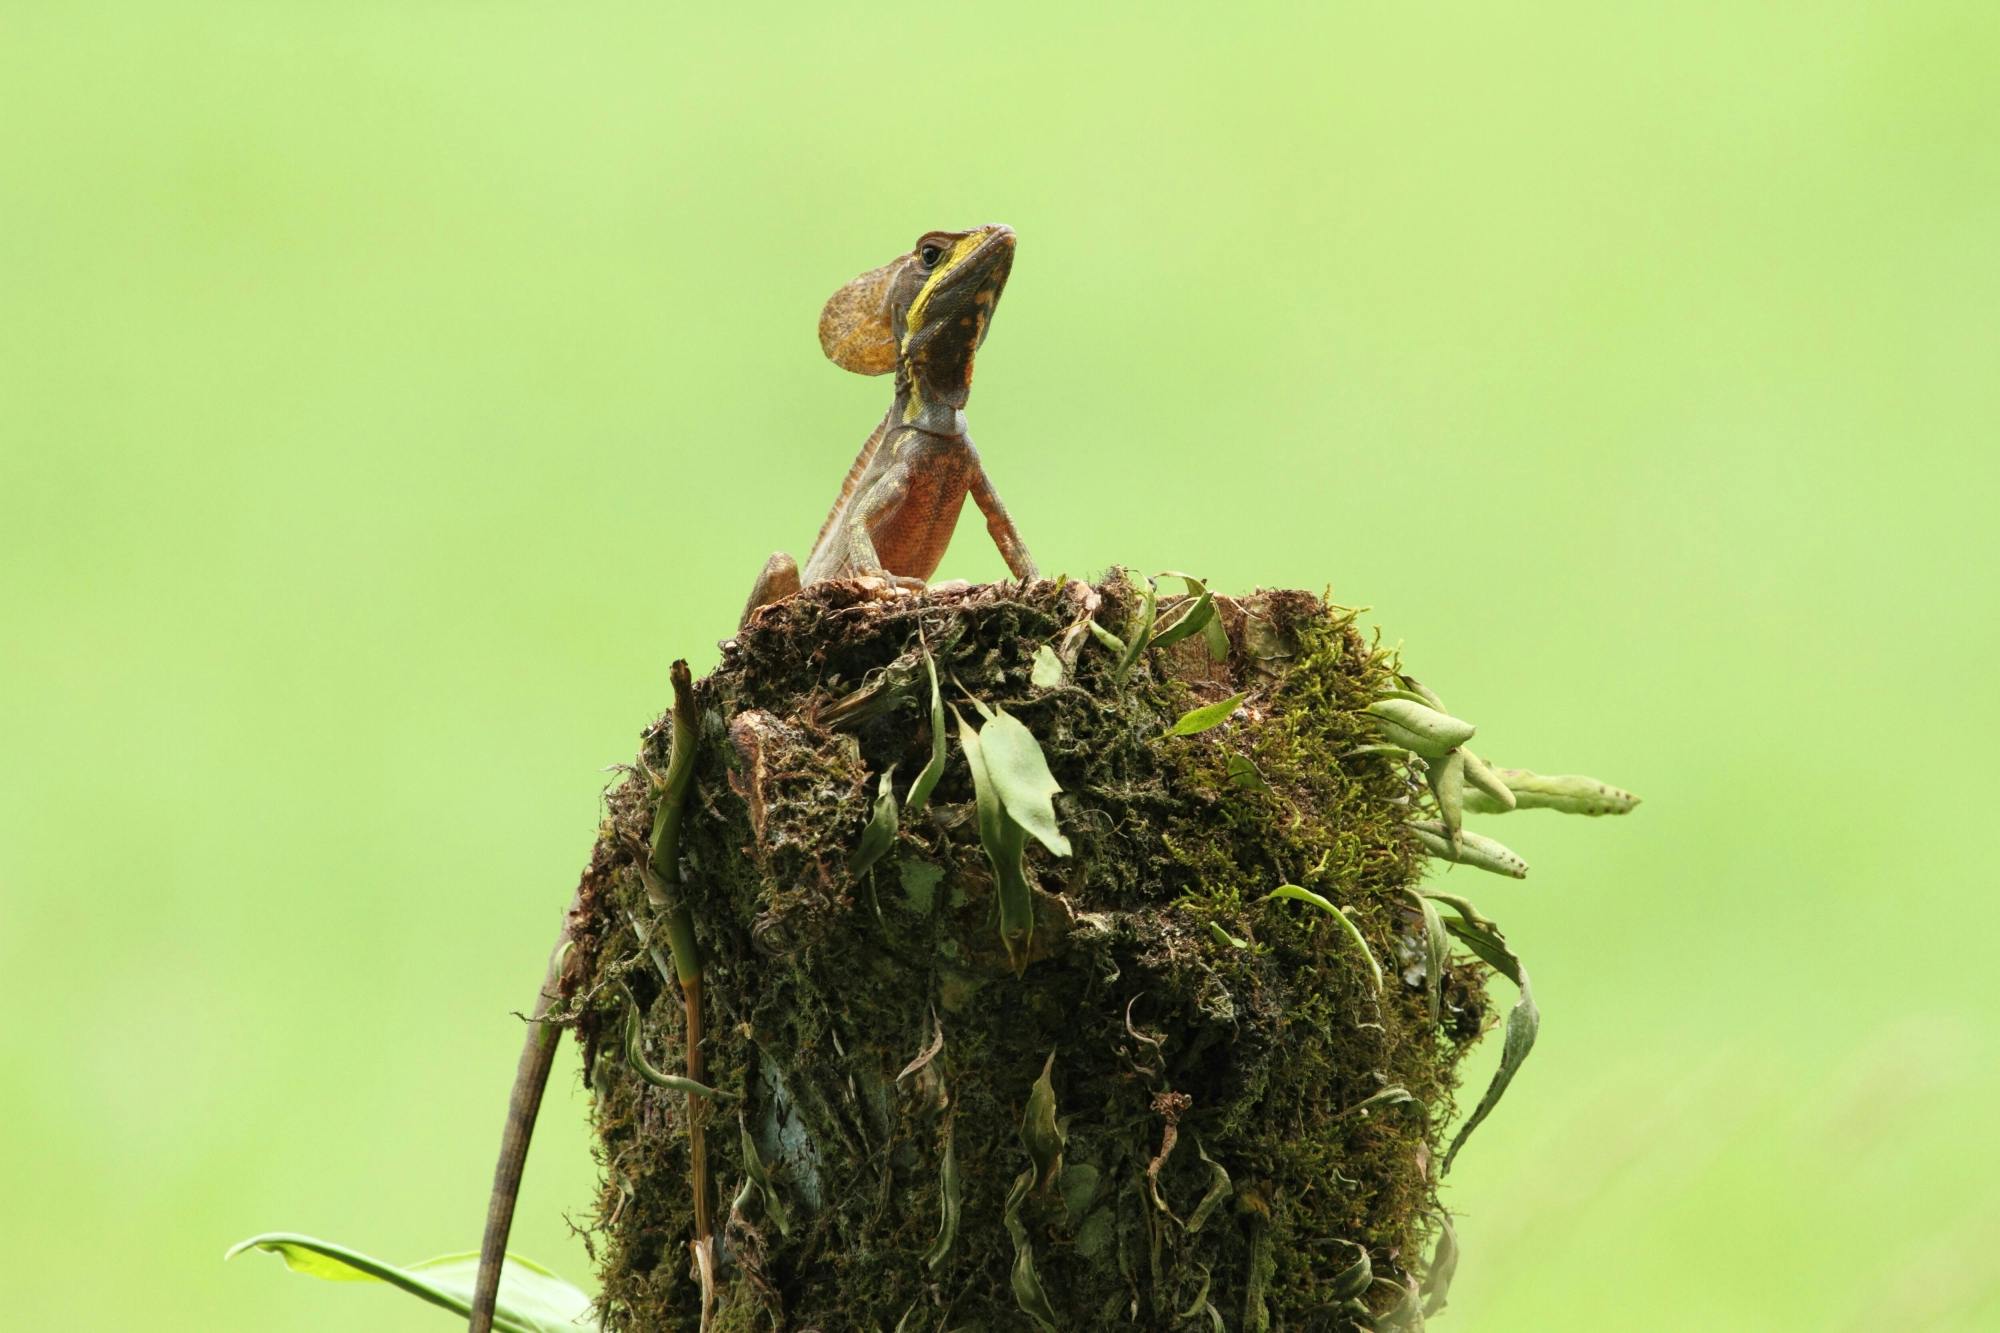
[
  {"x": 880, "y": 835},
  {"x": 1523, "y": 1022},
  {"x": 1463, "y": 906},
  {"x": 1078, "y": 1187},
  {"x": 1406, "y": 1316},
  {"x": 1142, "y": 631},
  {"x": 1347, "y": 924},
  {"x": 1442, "y": 1268},
  {"x": 1047, "y": 671},
  {"x": 1217, "y": 639},
  {"x": 1354, "y": 1279},
  {"x": 1192, "y": 619},
  {"x": 1437, "y": 955},
  {"x": 1487, "y": 788},
  {"x": 1570, "y": 793},
  {"x": 1108, "y": 639},
  {"x": 1246, "y": 774},
  {"x": 1212, "y": 633},
  {"x": 753, "y": 1166},
  {"x": 1021, "y": 779},
  {"x": 927, "y": 780},
  {"x": 635, "y": 1056},
  {"x": 1482, "y": 936},
  {"x": 1420, "y": 728},
  {"x": 1040, "y": 1134},
  {"x": 1447, "y": 781},
  {"x": 1224, "y": 938},
  {"x": 1027, "y": 1287},
  {"x": 1219, "y": 1188},
  {"x": 951, "y": 1195},
  {"x": 1472, "y": 849},
  {"x": 1197, "y": 720},
  {"x": 1005, "y": 844},
  {"x": 1411, "y": 695},
  {"x": 1423, "y": 692},
  {"x": 532, "y": 1299}
]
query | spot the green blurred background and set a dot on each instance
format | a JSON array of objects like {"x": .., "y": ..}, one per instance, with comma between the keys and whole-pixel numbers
[{"x": 389, "y": 391}]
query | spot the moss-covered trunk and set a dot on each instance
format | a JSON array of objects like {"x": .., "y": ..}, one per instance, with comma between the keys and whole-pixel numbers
[{"x": 1245, "y": 1102}]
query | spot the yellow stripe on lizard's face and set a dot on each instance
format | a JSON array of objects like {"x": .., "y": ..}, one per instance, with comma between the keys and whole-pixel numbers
[{"x": 966, "y": 245}]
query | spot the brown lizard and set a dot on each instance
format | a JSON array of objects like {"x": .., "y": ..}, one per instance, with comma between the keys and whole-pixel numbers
[{"x": 922, "y": 316}]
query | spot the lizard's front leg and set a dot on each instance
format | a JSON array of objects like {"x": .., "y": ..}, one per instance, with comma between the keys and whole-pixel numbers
[
  {"x": 779, "y": 579},
  {"x": 883, "y": 502},
  {"x": 1005, "y": 536}
]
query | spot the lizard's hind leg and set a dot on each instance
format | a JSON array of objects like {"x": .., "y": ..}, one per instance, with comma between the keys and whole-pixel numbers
[{"x": 780, "y": 579}]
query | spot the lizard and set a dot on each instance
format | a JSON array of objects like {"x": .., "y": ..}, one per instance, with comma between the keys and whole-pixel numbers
[{"x": 922, "y": 315}]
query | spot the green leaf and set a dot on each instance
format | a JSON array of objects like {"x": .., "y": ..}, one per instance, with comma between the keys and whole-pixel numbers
[
  {"x": 1463, "y": 906},
  {"x": 753, "y": 1166},
  {"x": 1489, "y": 794},
  {"x": 1483, "y": 937},
  {"x": 1472, "y": 849},
  {"x": 1354, "y": 1279},
  {"x": 532, "y": 1299},
  {"x": 1406, "y": 1316},
  {"x": 1217, "y": 639},
  {"x": 1347, "y": 923},
  {"x": 1437, "y": 955},
  {"x": 1212, "y": 632},
  {"x": 927, "y": 780},
  {"x": 635, "y": 1055},
  {"x": 1523, "y": 1022},
  {"x": 1040, "y": 1134},
  {"x": 1078, "y": 1187},
  {"x": 1142, "y": 632},
  {"x": 880, "y": 835},
  {"x": 951, "y": 1196},
  {"x": 1027, "y": 1287},
  {"x": 1246, "y": 775},
  {"x": 1047, "y": 671},
  {"x": 1219, "y": 1188},
  {"x": 1442, "y": 1268},
  {"x": 1107, "y": 638},
  {"x": 1570, "y": 793},
  {"x": 1447, "y": 780},
  {"x": 1021, "y": 779},
  {"x": 1224, "y": 938},
  {"x": 1005, "y": 844},
  {"x": 1197, "y": 720},
  {"x": 1193, "y": 618},
  {"x": 1423, "y": 693},
  {"x": 1412, "y": 696},
  {"x": 1420, "y": 728}
]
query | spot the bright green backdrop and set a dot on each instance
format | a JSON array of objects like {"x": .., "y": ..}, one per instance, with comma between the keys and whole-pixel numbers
[{"x": 389, "y": 391}]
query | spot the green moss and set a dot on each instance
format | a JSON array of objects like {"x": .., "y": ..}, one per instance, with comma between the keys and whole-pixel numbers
[{"x": 826, "y": 997}]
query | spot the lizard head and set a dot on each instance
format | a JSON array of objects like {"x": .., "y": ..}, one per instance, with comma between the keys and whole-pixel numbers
[{"x": 922, "y": 315}]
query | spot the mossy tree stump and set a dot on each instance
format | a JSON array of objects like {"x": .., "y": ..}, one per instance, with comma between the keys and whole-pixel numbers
[{"x": 1191, "y": 1105}]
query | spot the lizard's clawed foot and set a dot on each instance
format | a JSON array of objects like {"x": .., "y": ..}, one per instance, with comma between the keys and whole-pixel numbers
[{"x": 882, "y": 578}]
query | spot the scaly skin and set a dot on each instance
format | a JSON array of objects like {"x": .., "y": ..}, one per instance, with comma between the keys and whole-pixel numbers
[{"x": 923, "y": 315}]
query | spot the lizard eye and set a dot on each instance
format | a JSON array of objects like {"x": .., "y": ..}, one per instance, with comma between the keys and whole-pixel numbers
[{"x": 930, "y": 255}]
